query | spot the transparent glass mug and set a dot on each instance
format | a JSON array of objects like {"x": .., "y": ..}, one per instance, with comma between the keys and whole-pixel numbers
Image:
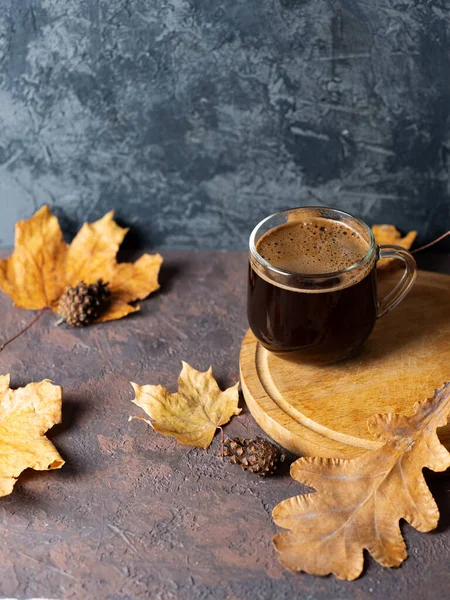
[{"x": 326, "y": 317}]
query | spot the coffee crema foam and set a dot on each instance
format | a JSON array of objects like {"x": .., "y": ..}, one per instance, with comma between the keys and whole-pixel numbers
[{"x": 314, "y": 246}]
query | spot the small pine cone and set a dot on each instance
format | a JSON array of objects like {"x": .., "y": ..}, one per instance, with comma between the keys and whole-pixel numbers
[
  {"x": 258, "y": 456},
  {"x": 82, "y": 304}
]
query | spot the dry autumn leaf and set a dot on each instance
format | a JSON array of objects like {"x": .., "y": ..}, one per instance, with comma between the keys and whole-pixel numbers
[
  {"x": 389, "y": 235},
  {"x": 26, "y": 415},
  {"x": 192, "y": 414},
  {"x": 358, "y": 503},
  {"x": 42, "y": 265}
]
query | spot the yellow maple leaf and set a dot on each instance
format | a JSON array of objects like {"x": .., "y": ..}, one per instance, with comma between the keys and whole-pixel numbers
[
  {"x": 26, "y": 415},
  {"x": 359, "y": 502},
  {"x": 390, "y": 235},
  {"x": 192, "y": 414},
  {"x": 42, "y": 265}
]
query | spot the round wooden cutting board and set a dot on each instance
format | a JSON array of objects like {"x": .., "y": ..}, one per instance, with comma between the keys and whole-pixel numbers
[{"x": 323, "y": 411}]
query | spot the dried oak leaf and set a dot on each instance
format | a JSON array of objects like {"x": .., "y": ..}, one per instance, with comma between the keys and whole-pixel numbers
[
  {"x": 42, "y": 265},
  {"x": 192, "y": 414},
  {"x": 388, "y": 234},
  {"x": 25, "y": 416},
  {"x": 358, "y": 503}
]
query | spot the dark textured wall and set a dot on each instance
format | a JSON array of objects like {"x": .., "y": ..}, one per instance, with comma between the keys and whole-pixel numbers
[{"x": 195, "y": 118}]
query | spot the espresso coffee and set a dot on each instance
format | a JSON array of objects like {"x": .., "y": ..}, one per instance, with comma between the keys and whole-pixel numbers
[
  {"x": 313, "y": 246},
  {"x": 314, "y": 323}
]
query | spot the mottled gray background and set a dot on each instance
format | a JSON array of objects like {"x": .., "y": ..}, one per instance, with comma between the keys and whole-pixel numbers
[{"x": 195, "y": 118}]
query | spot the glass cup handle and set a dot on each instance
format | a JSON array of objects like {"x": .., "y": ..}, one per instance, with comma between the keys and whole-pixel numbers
[{"x": 406, "y": 282}]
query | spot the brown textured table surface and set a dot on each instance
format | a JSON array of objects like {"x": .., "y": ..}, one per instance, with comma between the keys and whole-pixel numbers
[{"x": 133, "y": 514}]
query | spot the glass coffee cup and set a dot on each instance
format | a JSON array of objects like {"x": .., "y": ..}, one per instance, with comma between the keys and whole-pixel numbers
[{"x": 312, "y": 290}]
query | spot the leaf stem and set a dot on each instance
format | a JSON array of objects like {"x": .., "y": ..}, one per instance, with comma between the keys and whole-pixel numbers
[
  {"x": 441, "y": 237},
  {"x": 26, "y": 328}
]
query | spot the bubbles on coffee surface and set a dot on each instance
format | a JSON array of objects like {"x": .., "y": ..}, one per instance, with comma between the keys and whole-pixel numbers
[{"x": 312, "y": 246}]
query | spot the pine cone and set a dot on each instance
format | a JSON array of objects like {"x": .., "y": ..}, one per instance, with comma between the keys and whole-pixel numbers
[
  {"x": 82, "y": 304},
  {"x": 258, "y": 456}
]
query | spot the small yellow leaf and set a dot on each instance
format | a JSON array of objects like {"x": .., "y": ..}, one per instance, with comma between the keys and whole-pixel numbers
[
  {"x": 192, "y": 414},
  {"x": 26, "y": 415},
  {"x": 42, "y": 265},
  {"x": 389, "y": 235},
  {"x": 358, "y": 503}
]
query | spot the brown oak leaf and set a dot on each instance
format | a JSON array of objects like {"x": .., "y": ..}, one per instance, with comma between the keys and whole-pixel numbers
[
  {"x": 25, "y": 416},
  {"x": 390, "y": 235},
  {"x": 42, "y": 265},
  {"x": 192, "y": 414},
  {"x": 358, "y": 503}
]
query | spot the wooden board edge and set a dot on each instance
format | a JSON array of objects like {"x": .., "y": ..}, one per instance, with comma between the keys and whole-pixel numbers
[{"x": 293, "y": 436}]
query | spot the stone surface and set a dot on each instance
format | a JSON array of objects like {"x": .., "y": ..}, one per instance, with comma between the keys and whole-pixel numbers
[
  {"x": 135, "y": 515},
  {"x": 196, "y": 118}
]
